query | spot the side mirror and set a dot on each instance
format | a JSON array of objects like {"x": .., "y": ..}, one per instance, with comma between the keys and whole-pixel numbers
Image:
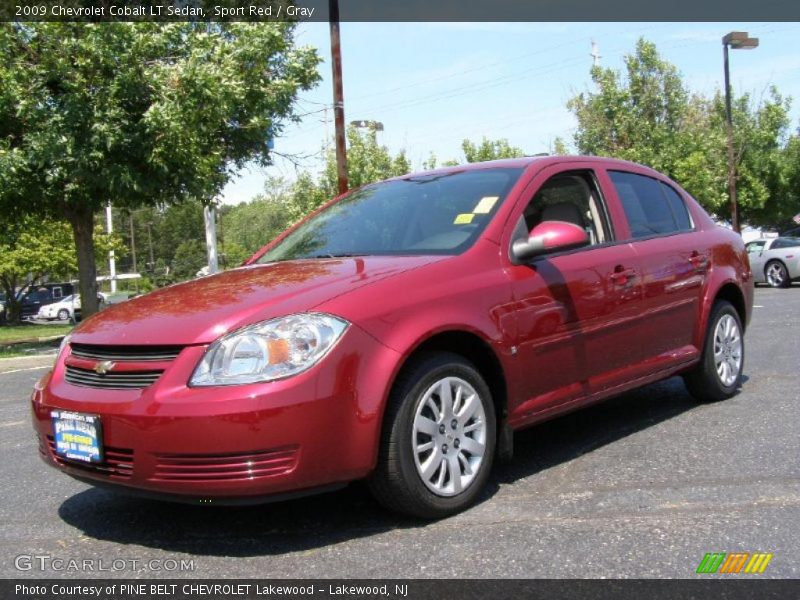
[{"x": 549, "y": 236}]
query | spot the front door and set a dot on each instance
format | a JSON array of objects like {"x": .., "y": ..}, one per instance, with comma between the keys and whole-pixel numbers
[{"x": 576, "y": 310}]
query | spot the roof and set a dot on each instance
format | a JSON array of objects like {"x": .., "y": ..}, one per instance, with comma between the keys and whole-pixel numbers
[{"x": 526, "y": 161}]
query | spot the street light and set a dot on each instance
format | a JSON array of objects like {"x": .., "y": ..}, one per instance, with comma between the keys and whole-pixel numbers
[
  {"x": 738, "y": 40},
  {"x": 373, "y": 125}
]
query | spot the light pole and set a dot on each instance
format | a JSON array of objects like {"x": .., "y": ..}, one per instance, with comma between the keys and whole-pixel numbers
[
  {"x": 373, "y": 125},
  {"x": 338, "y": 96},
  {"x": 738, "y": 40}
]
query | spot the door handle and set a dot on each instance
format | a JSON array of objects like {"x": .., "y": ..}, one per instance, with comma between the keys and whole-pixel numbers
[
  {"x": 698, "y": 261},
  {"x": 621, "y": 275}
]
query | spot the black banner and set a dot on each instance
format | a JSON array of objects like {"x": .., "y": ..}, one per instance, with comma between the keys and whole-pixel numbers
[
  {"x": 399, "y": 10},
  {"x": 244, "y": 589}
]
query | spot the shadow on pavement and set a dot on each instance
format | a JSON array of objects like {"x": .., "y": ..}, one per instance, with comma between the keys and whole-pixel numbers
[{"x": 323, "y": 520}]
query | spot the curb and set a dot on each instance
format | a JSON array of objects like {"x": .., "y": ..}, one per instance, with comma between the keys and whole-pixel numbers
[
  {"x": 35, "y": 340},
  {"x": 29, "y": 357}
]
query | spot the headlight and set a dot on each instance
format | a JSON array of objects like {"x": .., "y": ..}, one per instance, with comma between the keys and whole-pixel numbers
[
  {"x": 64, "y": 343},
  {"x": 269, "y": 350}
]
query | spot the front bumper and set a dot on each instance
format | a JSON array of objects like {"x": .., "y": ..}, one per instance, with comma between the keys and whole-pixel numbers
[{"x": 237, "y": 442}]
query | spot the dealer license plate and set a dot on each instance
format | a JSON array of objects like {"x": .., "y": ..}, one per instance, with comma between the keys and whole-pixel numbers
[{"x": 78, "y": 436}]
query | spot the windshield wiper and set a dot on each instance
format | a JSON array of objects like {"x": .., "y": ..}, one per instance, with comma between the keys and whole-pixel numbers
[{"x": 337, "y": 255}]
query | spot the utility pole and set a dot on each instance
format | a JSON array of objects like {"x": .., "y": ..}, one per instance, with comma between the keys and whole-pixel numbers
[
  {"x": 133, "y": 242},
  {"x": 338, "y": 96},
  {"x": 210, "y": 216},
  {"x": 595, "y": 54},
  {"x": 150, "y": 240},
  {"x": 112, "y": 263},
  {"x": 133, "y": 247}
]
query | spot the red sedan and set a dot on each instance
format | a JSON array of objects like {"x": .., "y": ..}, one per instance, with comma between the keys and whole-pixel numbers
[{"x": 401, "y": 334}]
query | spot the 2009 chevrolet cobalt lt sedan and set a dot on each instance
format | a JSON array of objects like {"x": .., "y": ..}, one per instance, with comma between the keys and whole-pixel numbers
[{"x": 401, "y": 334}]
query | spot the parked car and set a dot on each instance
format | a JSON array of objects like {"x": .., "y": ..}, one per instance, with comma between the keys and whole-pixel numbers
[
  {"x": 775, "y": 261},
  {"x": 42, "y": 295},
  {"x": 66, "y": 308},
  {"x": 402, "y": 334},
  {"x": 794, "y": 232}
]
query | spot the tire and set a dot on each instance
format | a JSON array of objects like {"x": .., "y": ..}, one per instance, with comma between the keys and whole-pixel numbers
[
  {"x": 776, "y": 275},
  {"x": 398, "y": 481},
  {"x": 63, "y": 314},
  {"x": 710, "y": 381}
]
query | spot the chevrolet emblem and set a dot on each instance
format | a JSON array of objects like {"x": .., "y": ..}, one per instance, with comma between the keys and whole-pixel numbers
[{"x": 104, "y": 367}]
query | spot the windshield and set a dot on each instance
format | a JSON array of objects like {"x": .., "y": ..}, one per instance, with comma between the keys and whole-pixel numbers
[{"x": 427, "y": 214}]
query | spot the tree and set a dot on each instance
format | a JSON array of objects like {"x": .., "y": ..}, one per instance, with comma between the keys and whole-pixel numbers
[
  {"x": 647, "y": 115},
  {"x": 29, "y": 250},
  {"x": 484, "y": 150},
  {"x": 32, "y": 249},
  {"x": 791, "y": 185},
  {"x": 138, "y": 114},
  {"x": 489, "y": 150},
  {"x": 761, "y": 135},
  {"x": 367, "y": 162},
  {"x": 176, "y": 224},
  {"x": 251, "y": 225},
  {"x": 190, "y": 257},
  {"x": 638, "y": 117},
  {"x": 559, "y": 147}
]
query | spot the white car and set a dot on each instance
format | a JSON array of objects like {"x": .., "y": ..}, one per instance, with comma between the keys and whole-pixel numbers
[
  {"x": 65, "y": 308},
  {"x": 775, "y": 261}
]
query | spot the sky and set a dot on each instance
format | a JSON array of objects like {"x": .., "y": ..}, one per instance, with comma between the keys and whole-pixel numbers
[{"x": 434, "y": 84}]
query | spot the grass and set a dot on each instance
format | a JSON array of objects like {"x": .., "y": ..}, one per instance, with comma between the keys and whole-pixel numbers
[
  {"x": 18, "y": 350},
  {"x": 29, "y": 332}
]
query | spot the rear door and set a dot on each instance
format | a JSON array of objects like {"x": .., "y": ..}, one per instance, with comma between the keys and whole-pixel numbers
[
  {"x": 575, "y": 309},
  {"x": 755, "y": 252},
  {"x": 673, "y": 261}
]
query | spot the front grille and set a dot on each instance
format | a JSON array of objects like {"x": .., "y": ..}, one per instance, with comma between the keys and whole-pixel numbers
[
  {"x": 129, "y": 353},
  {"x": 207, "y": 467},
  {"x": 117, "y": 462},
  {"x": 120, "y": 380}
]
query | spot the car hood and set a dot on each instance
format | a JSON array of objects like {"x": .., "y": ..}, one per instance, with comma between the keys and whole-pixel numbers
[{"x": 200, "y": 311}]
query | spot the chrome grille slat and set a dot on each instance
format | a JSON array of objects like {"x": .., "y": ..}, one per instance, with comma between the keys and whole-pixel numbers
[
  {"x": 209, "y": 468},
  {"x": 111, "y": 380},
  {"x": 117, "y": 462},
  {"x": 125, "y": 353}
]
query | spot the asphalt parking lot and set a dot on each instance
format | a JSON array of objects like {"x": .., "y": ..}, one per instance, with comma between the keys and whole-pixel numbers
[{"x": 641, "y": 486}]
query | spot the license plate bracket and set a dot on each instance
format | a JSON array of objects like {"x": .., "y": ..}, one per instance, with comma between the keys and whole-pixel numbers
[{"x": 78, "y": 436}]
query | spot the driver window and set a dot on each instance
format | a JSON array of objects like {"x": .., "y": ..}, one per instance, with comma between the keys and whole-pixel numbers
[{"x": 570, "y": 197}]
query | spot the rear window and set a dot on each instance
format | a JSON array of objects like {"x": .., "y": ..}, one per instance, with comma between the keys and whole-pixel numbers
[
  {"x": 785, "y": 243},
  {"x": 678, "y": 207},
  {"x": 651, "y": 207}
]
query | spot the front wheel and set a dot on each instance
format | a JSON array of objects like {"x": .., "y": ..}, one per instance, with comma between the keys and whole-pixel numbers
[
  {"x": 63, "y": 314},
  {"x": 776, "y": 274},
  {"x": 438, "y": 438},
  {"x": 719, "y": 373}
]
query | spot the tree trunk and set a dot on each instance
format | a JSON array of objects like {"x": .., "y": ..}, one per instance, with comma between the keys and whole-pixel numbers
[
  {"x": 82, "y": 221},
  {"x": 11, "y": 312}
]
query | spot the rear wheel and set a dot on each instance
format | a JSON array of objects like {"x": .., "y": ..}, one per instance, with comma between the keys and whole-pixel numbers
[
  {"x": 719, "y": 372},
  {"x": 438, "y": 440},
  {"x": 776, "y": 274}
]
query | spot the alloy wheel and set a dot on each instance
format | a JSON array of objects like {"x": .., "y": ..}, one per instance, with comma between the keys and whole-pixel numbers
[
  {"x": 449, "y": 436},
  {"x": 775, "y": 274},
  {"x": 728, "y": 350}
]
